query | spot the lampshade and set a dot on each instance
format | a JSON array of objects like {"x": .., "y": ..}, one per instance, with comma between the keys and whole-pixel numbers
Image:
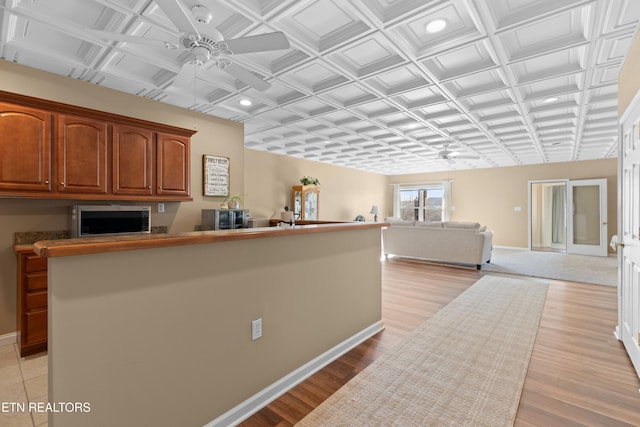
[{"x": 374, "y": 210}]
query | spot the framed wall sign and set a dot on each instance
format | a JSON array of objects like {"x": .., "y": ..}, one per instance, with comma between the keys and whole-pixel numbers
[{"x": 215, "y": 174}]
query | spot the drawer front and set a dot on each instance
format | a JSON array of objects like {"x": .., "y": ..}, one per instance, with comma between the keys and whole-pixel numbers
[
  {"x": 35, "y": 263},
  {"x": 35, "y": 327},
  {"x": 36, "y": 300},
  {"x": 35, "y": 281}
]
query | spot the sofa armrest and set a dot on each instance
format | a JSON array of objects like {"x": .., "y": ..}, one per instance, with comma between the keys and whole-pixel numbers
[{"x": 487, "y": 247}]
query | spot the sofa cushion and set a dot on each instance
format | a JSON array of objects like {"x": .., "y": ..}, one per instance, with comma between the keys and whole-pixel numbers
[
  {"x": 462, "y": 224},
  {"x": 403, "y": 223},
  {"x": 434, "y": 224},
  {"x": 397, "y": 222}
]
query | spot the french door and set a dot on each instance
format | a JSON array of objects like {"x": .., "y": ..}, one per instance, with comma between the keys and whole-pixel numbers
[
  {"x": 587, "y": 217},
  {"x": 628, "y": 330},
  {"x": 568, "y": 216}
]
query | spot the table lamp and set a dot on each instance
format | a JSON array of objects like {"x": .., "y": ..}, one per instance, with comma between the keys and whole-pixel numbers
[{"x": 375, "y": 211}]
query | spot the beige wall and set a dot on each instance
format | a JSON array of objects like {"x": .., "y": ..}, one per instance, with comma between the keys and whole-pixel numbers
[
  {"x": 344, "y": 193},
  {"x": 629, "y": 78},
  {"x": 489, "y": 196}
]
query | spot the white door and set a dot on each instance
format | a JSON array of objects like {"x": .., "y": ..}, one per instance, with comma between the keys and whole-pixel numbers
[
  {"x": 629, "y": 231},
  {"x": 587, "y": 217}
]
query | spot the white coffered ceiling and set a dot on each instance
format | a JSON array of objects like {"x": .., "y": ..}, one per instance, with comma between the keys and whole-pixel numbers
[{"x": 364, "y": 85}]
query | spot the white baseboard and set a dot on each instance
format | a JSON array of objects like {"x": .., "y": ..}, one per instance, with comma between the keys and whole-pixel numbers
[
  {"x": 518, "y": 248},
  {"x": 259, "y": 400},
  {"x": 8, "y": 339},
  {"x": 511, "y": 247}
]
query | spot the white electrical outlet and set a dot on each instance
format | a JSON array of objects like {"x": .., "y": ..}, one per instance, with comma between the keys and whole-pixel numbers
[
  {"x": 160, "y": 207},
  {"x": 256, "y": 329}
]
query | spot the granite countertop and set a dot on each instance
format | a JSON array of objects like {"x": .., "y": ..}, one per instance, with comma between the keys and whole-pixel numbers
[
  {"x": 24, "y": 240},
  {"x": 30, "y": 237}
]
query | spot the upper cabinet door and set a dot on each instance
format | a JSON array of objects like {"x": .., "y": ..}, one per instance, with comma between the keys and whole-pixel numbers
[
  {"x": 81, "y": 155},
  {"x": 25, "y": 149},
  {"x": 132, "y": 160},
  {"x": 173, "y": 165}
]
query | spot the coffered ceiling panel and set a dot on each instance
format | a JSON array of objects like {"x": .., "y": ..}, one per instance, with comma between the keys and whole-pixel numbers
[{"x": 387, "y": 86}]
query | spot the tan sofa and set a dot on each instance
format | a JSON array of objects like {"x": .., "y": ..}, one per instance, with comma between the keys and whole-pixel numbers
[{"x": 447, "y": 241}]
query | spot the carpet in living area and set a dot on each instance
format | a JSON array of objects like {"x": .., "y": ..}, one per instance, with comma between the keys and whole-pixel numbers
[
  {"x": 464, "y": 366},
  {"x": 553, "y": 265}
]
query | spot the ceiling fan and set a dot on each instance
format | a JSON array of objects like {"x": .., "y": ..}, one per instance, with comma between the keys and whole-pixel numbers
[
  {"x": 205, "y": 44},
  {"x": 451, "y": 156}
]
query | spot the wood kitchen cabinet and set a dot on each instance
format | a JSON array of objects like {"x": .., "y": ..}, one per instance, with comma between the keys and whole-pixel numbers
[
  {"x": 150, "y": 163},
  {"x": 31, "y": 302},
  {"x": 91, "y": 155},
  {"x": 132, "y": 160},
  {"x": 81, "y": 155},
  {"x": 173, "y": 152},
  {"x": 25, "y": 150}
]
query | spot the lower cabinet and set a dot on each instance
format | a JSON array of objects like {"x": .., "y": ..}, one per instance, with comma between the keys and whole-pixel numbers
[{"x": 31, "y": 302}]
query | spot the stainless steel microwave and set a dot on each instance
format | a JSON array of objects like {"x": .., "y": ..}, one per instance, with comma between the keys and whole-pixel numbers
[{"x": 109, "y": 220}]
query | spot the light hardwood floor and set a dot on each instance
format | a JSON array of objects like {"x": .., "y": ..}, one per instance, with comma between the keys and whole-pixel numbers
[{"x": 579, "y": 374}]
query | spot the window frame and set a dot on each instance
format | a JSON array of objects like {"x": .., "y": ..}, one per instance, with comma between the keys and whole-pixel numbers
[{"x": 445, "y": 186}]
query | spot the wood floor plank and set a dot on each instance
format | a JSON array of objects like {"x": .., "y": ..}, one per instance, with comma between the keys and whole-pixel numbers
[{"x": 579, "y": 373}]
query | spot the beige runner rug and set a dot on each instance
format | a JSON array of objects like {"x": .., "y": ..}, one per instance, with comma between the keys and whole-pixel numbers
[{"x": 465, "y": 366}]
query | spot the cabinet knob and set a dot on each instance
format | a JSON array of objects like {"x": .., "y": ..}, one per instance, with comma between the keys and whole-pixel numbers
[
  {"x": 46, "y": 181},
  {"x": 149, "y": 187},
  {"x": 62, "y": 183},
  {"x": 160, "y": 187}
]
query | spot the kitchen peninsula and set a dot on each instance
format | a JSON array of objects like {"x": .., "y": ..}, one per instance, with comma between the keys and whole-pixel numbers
[{"x": 157, "y": 330}]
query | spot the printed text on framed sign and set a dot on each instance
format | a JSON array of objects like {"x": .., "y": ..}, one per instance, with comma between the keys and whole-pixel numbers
[{"x": 215, "y": 173}]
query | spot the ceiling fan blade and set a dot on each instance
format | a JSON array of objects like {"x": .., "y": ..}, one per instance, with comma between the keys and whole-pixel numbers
[
  {"x": 466, "y": 157},
  {"x": 186, "y": 77},
  {"x": 246, "y": 76},
  {"x": 178, "y": 15},
  {"x": 132, "y": 39},
  {"x": 259, "y": 43}
]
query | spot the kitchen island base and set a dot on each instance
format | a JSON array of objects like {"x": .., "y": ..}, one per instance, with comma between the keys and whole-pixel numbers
[{"x": 162, "y": 336}]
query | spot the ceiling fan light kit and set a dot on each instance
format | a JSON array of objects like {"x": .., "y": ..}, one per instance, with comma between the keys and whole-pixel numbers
[{"x": 202, "y": 14}]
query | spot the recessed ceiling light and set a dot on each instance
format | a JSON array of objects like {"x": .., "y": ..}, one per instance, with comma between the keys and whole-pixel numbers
[
  {"x": 245, "y": 102},
  {"x": 436, "y": 25},
  {"x": 551, "y": 99}
]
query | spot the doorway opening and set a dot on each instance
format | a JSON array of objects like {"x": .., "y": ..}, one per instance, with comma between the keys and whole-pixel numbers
[{"x": 548, "y": 206}]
